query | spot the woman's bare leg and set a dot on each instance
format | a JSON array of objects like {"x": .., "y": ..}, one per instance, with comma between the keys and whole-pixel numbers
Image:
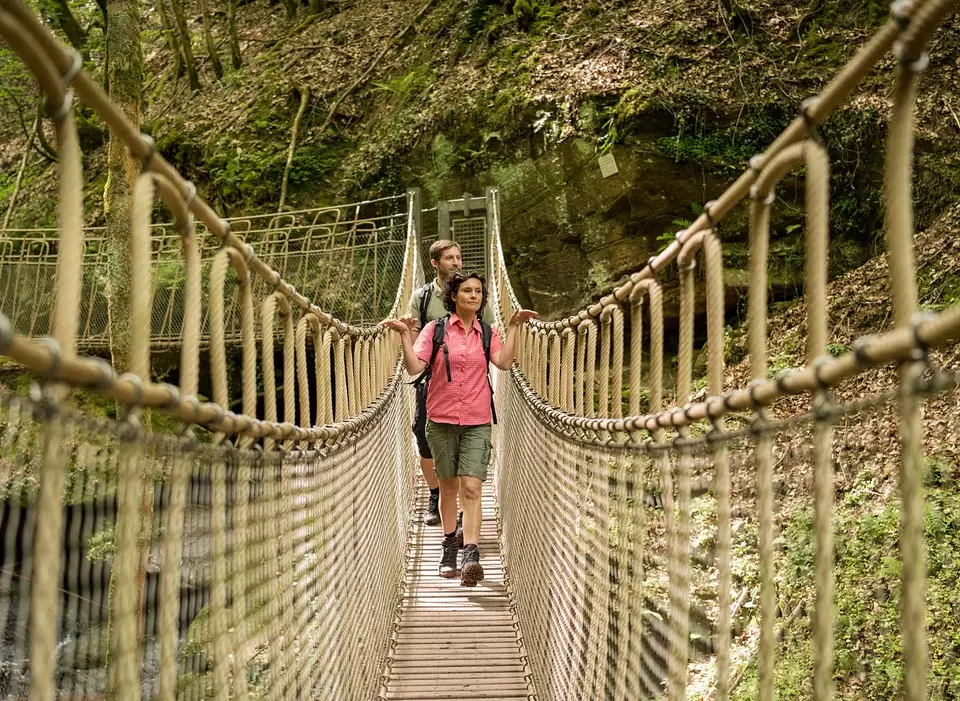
[
  {"x": 471, "y": 490},
  {"x": 448, "y": 504}
]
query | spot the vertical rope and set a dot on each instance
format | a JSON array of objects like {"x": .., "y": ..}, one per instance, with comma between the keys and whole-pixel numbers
[
  {"x": 762, "y": 199},
  {"x": 616, "y": 379},
  {"x": 218, "y": 572},
  {"x": 603, "y": 390},
  {"x": 218, "y": 351},
  {"x": 656, "y": 348},
  {"x": 555, "y": 381},
  {"x": 568, "y": 343},
  {"x": 284, "y": 488},
  {"x": 124, "y": 615},
  {"x": 47, "y": 536},
  {"x": 268, "y": 311},
  {"x": 173, "y": 524},
  {"x": 353, "y": 398},
  {"x": 536, "y": 348},
  {"x": 241, "y": 522},
  {"x": 590, "y": 367},
  {"x": 303, "y": 380},
  {"x": 680, "y": 575},
  {"x": 713, "y": 255},
  {"x": 272, "y": 568},
  {"x": 636, "y": 348},
  {"x": 578, "y": 389},
  {"x": 340, "y": 374},
  {"x": 898, "y": 188},
  {"x": 325, "y": 396},
  {"x": 818, "y": 211},
  {"x": 248, "y": 332},
  {"x": 289, "y": 364}
]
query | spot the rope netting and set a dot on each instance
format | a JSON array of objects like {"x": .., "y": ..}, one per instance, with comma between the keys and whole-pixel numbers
[
  {"x": 217, "y": 558},
  {"x": 347, "y": 259},
  {"x": 621, "y": 518},
  {"x": 262, "y": 557}
]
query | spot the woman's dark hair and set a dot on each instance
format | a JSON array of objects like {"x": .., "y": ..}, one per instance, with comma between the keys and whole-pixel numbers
[{"x": 453, "y": 286}]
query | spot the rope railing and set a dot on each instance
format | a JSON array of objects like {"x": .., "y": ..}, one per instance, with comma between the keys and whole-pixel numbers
[
  {"x": 179, "y": 563},
  {"x": 187, "y": 563},
  {"x": 348, "y": 259},
  {"x": 603, "y": 513}
]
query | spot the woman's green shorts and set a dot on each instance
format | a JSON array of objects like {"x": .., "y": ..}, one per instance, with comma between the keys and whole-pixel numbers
[{"x": 459, "y": 451}]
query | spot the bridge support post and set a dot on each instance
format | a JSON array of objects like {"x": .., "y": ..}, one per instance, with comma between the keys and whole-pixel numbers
[
  {"x": 415, "y": 207},
  {"x": 491, "y": 194}
]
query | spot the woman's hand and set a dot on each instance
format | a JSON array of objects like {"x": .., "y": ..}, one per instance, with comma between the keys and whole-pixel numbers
[
  {"x": 403, "y": 325},
  {"x": 522, "y": 316}
]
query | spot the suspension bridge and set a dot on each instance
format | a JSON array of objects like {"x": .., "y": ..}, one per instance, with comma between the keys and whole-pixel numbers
[{"x": 278, "y": 554}]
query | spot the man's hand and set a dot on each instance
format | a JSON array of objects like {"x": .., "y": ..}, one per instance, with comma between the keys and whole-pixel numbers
[
  {"x": 403, "y": 325},
  {"x": 522, "y": 316}
]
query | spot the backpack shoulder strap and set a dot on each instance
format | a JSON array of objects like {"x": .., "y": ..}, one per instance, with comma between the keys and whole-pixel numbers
[
  {"x": 439, "y": 331},
  {"x": 486, "y": 335},
  {"x": 425, "y": 293}
]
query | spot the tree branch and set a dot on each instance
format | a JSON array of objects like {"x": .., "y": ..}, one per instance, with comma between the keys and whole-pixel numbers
[
  {"x": 23, "y": 168},
  {"x": 304, "y": 99},
  {"x": 373, "y": 64}
]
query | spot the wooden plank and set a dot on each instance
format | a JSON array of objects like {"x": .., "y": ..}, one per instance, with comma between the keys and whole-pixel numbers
[{"x": 472, "y": 628}]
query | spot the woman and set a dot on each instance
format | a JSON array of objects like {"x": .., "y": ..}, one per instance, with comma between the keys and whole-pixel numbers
[{"x": 459, "y": 409}]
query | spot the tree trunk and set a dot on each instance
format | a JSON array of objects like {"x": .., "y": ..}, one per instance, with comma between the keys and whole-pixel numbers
[
  {"x": 187, "y": 46},
  {"x": 208, "y": 39},
  {"x": 235, "y": 57},
  {"x": 102, "y": 4},
  {"x": 125, "y": 72},
  {"x": 291, "y": 8},
  {"x": 173, "y": 41},
  {"x": 63, "y": 17},
  {"x": 46, "y": 148}
]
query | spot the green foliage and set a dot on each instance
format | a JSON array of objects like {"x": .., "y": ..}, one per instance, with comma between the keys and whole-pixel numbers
[
  {"x": 199, "y": 637},
  {"x": 412, "y": 83},
  {"x": 250, "y": 176},
  {"x": 608, "y": 139},
  {"x": 488, "y": 18},
  {"x": 668, "y": 237},
  {"x": 535, "y": 15},
  {"x": 170, "y": 274},
  {"x": 939, "y": 291},
  {"x": 481, "y": 16},
  {"x": 868, "y": 638},
  {"x": 714, "y": 151},
  {"x": 102, "y": 545}
]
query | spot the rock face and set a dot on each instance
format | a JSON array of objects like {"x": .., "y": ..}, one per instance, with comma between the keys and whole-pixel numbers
[{"x": 569, "y": 233}]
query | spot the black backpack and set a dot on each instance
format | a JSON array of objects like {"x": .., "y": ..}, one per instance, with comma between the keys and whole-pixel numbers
[{"x": 439, "y": 331}]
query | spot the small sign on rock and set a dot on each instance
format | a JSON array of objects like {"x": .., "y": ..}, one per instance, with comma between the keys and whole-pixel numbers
[{"x": 608, "y": 165}]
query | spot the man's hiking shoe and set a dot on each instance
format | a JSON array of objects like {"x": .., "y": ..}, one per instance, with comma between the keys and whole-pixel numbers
[
  {"x": 432, "y": 515},
  {"x": 471, "y": 571},
  {"x": 448, "y": 560}
]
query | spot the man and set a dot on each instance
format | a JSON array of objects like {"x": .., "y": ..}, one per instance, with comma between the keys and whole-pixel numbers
[{"x": 426, "y": 305}]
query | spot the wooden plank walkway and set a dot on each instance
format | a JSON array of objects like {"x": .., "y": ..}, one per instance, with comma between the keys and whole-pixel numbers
[{"x": 454, "y": 642}]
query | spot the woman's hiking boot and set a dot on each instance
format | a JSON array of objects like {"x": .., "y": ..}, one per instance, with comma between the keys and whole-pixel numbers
[
  {"x": 448, "y": 560},
  {"x": 471, "y": 571},
  {"x": 432, "y": 515}
]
